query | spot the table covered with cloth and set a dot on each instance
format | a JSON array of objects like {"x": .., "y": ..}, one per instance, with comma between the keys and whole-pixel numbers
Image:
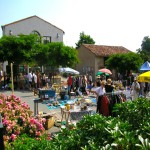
[{"x": 77, "y": 114}]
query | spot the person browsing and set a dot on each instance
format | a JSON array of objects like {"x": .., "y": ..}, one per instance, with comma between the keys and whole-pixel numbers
[{"x": 100, "y": 91}]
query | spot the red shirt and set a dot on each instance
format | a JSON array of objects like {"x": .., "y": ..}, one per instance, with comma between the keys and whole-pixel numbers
[{"x": 69, "y": 80}]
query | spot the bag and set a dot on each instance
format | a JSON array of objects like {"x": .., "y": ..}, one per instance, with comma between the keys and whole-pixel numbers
[{"x": 137, "y": 89}]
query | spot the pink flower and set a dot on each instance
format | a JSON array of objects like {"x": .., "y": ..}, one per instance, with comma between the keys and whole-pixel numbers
[
  {"x": 40, "y": 126},
  {"x": 5, "y": 122},
  {"x": 13, "y": 137},
  {"x": 1, "y": 101},
  {"x": 7, "y": 102},
  {"x": 8, "y": 127},
  {"x": 16, "y": 118},
  {"x": 43, "y": 120},
  {"x": 9, "y": 106},
  {"x": 37, "y": 133},
  {"x": 32, "y": 121}
]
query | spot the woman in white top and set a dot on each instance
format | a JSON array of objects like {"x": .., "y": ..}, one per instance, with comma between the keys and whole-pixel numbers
[
  {"x": 135, "y": 88},
  {"x": 100, "y": 91}
]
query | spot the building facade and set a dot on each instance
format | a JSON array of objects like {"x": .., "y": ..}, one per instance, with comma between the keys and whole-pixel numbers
[{"x": 34, "y": 24}]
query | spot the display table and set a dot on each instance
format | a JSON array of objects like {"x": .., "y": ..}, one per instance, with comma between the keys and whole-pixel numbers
[
  {"x": 74, "y": 114},
  {"x": 77, "y": 113},
  {"x": 46, "y": 94}
]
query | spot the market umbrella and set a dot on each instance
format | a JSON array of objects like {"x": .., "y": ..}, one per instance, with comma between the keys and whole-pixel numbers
[
  {"x": 145, "y": 66},
  {"x": 68, "y": 70},
  {"x": 104, "y": 70},
  {"x": 101, "y": 73},
  {"x": 144, "y": 77}
]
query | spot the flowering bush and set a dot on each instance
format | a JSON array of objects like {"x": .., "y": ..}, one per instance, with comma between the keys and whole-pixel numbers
[{"x": 17, "y": 118}]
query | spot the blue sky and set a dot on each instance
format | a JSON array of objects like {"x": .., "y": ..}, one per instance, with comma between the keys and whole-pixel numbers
[{"x": 108, "y": 22}]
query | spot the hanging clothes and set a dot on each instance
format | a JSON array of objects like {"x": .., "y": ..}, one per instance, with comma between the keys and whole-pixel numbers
[{"x": 104, "y": 106}]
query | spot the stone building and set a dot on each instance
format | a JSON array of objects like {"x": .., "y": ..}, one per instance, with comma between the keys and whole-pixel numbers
[{"x": 93, "y": 57}]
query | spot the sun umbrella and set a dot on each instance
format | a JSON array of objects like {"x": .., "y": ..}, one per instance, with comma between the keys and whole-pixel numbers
[
  {"x": 68, "y": 70},
  {"x": 104, "y": 70},
  {"x": 101, "y": 73},
  {"x": 144, "y": 77}
]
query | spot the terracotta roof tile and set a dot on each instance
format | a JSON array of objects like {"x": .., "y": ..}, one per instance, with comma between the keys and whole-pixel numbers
[{"x": 102, "y": 50}]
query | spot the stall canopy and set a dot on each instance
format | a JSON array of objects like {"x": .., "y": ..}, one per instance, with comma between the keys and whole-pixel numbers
[
  {"x": 144, "y": 77},
  {"x": 68, "y": 70},
  {"x": 145, "y": 66}
]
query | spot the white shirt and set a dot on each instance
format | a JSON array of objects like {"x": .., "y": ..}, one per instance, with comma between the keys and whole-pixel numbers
[
  {"x": 134, "y": 86},
  {"x": 90, "y": 77},
  {"x": 100, "y": 91},
  {"x": 30, "y": 77},
  {"x": 35, "y": 78}
]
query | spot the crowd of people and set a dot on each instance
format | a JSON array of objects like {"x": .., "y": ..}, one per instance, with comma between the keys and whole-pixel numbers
[
  {"x": 28, "y": 81},
  {"x": 83, "y": 84},
  {"x": 80, "y": 84}
]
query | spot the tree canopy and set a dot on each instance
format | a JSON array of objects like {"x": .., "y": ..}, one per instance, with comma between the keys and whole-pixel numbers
[
  {"x": 84, "y": 39},
  {"x": 144, "y": 51},
  {"x": 27, "y": 49},
  {"x": 56, "y": 54},
  {"x": 17, "y": 49},
  {"x": 124, "y": 62}
]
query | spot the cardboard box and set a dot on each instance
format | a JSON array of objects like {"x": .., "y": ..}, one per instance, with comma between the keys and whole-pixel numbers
[{"x": 49, "y": 123}]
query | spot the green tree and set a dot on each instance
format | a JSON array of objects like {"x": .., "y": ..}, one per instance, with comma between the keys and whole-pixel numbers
[
  {"x": 144, "y": 51},
  {"x": 25, "y": 49},
  {"x": 17, "y": 49},
  {"x": 56, "y": 54},
  {"x": 84, "y": 39},
  {"x": 124, "y": 62}
]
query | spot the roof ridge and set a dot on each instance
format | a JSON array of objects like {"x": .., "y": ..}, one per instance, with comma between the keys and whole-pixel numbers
[
  {"x": 29, "y": 18},
  {"x": 104, "y": 45},
  {"x": 19, "y": 20},
  {"x": 104, "y": 50}
]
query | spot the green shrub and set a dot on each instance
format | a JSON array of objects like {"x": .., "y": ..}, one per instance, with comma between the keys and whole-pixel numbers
[
  {"x": 137, "y": 114},
  {"x": 130, "y": 130},
  {"x": 25, "y": 142}
]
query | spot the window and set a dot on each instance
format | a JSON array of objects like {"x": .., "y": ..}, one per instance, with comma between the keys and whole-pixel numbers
[
  {"x": 35, "y": 32},
  {"x": 46, "y": 39},
  {"x": 38, "y": 34}
]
